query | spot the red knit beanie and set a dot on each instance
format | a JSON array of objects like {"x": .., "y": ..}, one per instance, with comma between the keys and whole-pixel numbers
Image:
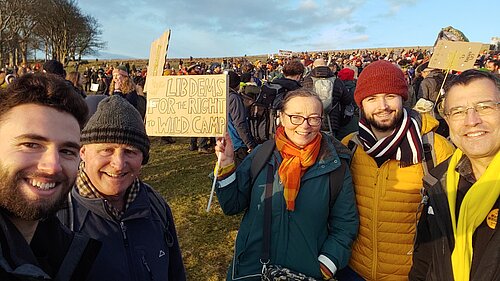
[
  {"x": 380, "y": 77},
  {"x": 346, "y": 74}
]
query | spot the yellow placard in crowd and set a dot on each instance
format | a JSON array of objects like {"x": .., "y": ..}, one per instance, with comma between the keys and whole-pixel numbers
[
  {"x": 453, "y": 55},
  {"x": 189, "y": 106},
  {"x": 157, "y": 57}
]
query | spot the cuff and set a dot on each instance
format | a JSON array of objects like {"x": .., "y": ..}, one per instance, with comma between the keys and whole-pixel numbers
[
  {"x": 227, "y": 180},
  {"x": 328, "y": 268}
]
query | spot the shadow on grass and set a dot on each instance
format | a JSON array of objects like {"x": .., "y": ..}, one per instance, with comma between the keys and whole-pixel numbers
[{"x": 181, "y": 176}]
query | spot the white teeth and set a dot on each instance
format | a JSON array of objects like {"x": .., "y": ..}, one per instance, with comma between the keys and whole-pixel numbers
[
  {"x": 42, "y": 185},
  {"x": 475, "y": 134},
  {"x": 303, "y": 134},
  {"x": 115, "y": 175}
]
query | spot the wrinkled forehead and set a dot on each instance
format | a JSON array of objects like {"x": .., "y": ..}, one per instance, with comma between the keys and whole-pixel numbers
[{"x": 478, "y": 90}]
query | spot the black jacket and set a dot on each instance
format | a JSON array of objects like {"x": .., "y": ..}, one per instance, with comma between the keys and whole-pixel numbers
[
  {"x": 435, "y": 240},
  {"x": 54, "y": 252}
]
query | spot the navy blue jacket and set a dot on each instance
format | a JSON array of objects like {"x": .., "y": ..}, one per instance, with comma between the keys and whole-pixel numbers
[{"x": 138, "y": 247}]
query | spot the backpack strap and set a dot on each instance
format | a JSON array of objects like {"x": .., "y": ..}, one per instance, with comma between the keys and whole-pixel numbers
[
  {"x": 337, "y": 181},
  {"x": 158, "y": 205},
  {"x": 264, "y": 151},
  {"x": 73, "y": 257},
  {"x": 429, "y": 161}
]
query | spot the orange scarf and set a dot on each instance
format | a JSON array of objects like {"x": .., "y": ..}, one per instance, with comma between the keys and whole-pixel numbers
[{"x": 296, "y": 160}]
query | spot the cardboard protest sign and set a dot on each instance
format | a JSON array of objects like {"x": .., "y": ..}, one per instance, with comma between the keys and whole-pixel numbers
[
  {"x": 157, "y": 57},
  {"x": 452, "y": 55},
  {"x": 188, "y": 106},
  {"x": 284, "y": 53}
]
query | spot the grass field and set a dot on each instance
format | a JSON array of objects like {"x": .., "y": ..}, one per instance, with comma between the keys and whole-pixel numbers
[{"x": 181, "y": 176}]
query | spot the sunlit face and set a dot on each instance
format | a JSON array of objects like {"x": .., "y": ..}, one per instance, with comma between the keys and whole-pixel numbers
[
  {"x": 477, "y": 136},
  {"x": 111, "y": 167},
  {"x": 39, "y": 159},
  {"x": 119, "y": 79},
  {"x": 383, "y": 111},
  {"x": 303, "y": 134}
]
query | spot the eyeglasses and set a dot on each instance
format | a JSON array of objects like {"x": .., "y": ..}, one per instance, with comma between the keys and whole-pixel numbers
[
  {"x": 482, "y": 108},
  {"x": 313, "y": 121}
]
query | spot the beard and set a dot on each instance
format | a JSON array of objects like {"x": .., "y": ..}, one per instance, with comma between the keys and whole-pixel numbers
[
  {"x": 383, "y": 127},
  {"x": 16, "y": 203}
]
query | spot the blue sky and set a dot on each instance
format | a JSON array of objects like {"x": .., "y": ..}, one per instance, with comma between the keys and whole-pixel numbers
[{"x": 217, "y": 28}]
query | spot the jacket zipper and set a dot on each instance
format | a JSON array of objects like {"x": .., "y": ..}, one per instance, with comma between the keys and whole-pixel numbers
[
  {"x": 374, "y": 225},
  {"x": 123, "y": 228},
  {"x": 145, "y": 263}
]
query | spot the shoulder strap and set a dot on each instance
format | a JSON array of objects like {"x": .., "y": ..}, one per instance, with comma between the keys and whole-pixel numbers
[
  {"x": 337, "y": 181},
  {"x": 353, "y": 143},
  {"x": 73, "y": 256},
  {"x": 158, "y": 204},
  {"x": 429, "y": 161},
  {"x": 266, "y": 229},
  {"x": 264, "y": 151}
]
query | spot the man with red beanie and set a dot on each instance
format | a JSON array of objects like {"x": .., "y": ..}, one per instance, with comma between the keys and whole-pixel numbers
[{"x": 388, "y": 164}]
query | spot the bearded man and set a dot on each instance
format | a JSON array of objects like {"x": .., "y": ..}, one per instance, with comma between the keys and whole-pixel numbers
[
  {"x": 40, "y": 121},
  {"x": 387, "y": 170}
]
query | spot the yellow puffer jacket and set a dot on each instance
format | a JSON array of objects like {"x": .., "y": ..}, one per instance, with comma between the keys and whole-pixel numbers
[{"x": 387, "y": 200}]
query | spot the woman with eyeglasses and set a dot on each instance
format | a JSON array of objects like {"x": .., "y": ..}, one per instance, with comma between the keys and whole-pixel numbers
[{"x": 313, "y": 221}]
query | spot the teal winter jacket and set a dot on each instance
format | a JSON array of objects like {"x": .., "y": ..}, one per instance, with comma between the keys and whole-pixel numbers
[{"x": 300, "y": 239}]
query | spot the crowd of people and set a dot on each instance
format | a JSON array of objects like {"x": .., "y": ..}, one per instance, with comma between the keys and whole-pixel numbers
[{"x": 346, "y": 166}]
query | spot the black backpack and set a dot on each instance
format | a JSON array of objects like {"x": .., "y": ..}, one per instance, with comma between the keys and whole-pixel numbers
[{"x": 262, "y": 111}]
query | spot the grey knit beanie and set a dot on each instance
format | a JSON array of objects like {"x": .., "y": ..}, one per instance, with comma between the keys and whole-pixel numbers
[{"x": 117, "y": 121}]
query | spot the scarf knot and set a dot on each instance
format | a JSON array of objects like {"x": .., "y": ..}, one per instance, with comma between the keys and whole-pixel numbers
[
  {"x": 296, "y": 161},
  {"x": 403, "y": 144}
]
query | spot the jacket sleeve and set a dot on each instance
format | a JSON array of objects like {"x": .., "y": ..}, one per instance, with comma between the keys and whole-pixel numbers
[
  {"x": 240, "y": 121},
  {"x": 234, "y": 191},
  {"x": 342, "y": 227}
]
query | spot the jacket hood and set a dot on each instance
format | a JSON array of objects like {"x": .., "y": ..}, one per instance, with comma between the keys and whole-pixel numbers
[
  {"x": 429, "y": 123},
  {"x": 287, "y": 83}
]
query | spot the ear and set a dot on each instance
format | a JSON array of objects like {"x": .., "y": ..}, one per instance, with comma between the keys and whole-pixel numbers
[{"x": 82, "y": 153}]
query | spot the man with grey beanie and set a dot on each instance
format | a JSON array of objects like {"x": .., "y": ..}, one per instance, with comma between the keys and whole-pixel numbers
[{"x": 110, "y": 203}]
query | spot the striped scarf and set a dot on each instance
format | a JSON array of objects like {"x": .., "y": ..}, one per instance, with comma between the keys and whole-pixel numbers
[
  {"x": 404, "y": 144},
  {"x": 87, "y": 190}
]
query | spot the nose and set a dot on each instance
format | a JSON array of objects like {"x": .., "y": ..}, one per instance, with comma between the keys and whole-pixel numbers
[
  {"x": 50, "y": 162},
  {"x": 382, "y": 103},
  {"x": 118, "y": 160},
  {"x": 472, "y": 118}
]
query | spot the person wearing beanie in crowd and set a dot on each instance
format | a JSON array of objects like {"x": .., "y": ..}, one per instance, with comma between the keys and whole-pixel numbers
[
  {"x": 347, "y": 75},
  {"x": 238, "y": 127},
  {"x": 387, "y": 169},
  {"x": 111, "y": 204}
]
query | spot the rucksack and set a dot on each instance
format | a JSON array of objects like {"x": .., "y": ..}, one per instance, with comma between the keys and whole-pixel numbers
[
  {"x": 323, "y": 87},
  {"x": 265, "y": 151},
  {"x": 262, "y": 112}
]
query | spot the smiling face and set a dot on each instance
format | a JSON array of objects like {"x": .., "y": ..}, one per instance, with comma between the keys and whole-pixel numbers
[
  {"x": 39, "y": 159},
  {"x": 477, "y": 136},
  {"x": 383, "y": 112},
  {"x": 111, "y": 167},
  {"x": 303, "y": 134}
]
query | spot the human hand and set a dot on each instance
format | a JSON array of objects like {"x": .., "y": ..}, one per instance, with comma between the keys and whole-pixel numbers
[{"x": 225, "y": 150}]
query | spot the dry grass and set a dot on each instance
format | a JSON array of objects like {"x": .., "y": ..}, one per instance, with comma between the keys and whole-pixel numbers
[{"x": 206, "y": 239}]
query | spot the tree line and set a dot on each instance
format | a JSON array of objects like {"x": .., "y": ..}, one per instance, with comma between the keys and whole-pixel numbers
[{"x": 57, "y": 28}]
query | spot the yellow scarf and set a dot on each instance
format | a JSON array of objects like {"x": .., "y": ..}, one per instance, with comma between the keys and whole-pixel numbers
[
  {"x": 296, "y": 160},
  {"x": 475, "y": 207}
]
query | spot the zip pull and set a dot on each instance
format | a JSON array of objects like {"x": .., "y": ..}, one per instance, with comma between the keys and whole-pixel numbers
[
  {"x": 145, "y": 263},
  {"x": 124, "y": 232}
]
